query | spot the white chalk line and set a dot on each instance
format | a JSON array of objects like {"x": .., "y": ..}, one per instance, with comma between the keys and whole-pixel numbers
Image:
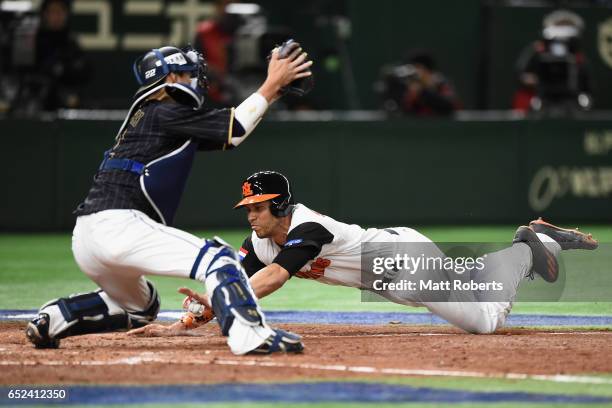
[
  {"x": 149, "y": 357},
  {"x": 365, "y": 335},
  {"x": 420, "y": 372},
  {"x": 20, "y": 316}
]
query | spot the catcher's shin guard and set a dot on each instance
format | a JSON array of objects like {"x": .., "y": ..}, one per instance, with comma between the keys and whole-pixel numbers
[
  {"x": 85, "y": 313},
  {"x": 234, "y": 302},
  {"x": 231, "y": 297}
]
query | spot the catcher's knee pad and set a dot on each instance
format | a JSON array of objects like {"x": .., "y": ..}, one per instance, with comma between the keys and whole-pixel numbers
[
  {"x": 232, "y": 298},
  {"x": 214, "y": 254}
]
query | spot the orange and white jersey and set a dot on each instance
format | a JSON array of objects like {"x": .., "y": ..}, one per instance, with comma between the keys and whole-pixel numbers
[{"x": 331, "y": 251}]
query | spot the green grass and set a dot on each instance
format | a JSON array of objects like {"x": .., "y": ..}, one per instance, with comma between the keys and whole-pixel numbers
[
  {"x": 503, "y": 385},
  {"x": 37, "y": 267}
]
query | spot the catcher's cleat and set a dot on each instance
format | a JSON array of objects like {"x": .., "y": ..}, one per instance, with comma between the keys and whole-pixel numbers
[
  {"x": 544, "y": 262},
  {"x": 37, "y": 332},
  {"x": 281, "y": 341},
  {"x": 566, "y": 238}
]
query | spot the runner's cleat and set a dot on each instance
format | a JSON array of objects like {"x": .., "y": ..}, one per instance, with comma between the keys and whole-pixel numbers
[
  {"x": 544, "y": 262},
  {"x": 566, "y": 238}
]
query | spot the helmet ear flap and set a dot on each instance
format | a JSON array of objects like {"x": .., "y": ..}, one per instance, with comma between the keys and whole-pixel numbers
[
  {"x": 201, "y": 67},
  {"x": 281, "y": 209},
  {"x": 284, "y": 207},
  {"x": 136, "y": 68}
]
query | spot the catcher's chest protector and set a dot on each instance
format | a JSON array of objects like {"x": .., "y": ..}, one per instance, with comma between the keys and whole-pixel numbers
[{"x": 163, "y": 180}]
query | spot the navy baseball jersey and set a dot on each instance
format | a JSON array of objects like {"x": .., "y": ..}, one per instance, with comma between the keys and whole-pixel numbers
[{"x": 163, "y": 136}]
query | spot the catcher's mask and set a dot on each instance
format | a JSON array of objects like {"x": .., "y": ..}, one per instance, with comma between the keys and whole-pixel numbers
[
  {"x": 152, "y": 69},
  {"x": 268, "y": 186}
]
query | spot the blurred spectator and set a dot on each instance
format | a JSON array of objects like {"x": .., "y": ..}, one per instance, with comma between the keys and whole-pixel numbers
[
  {"x": 417, "y": 88},
  {"x": 553, "y": 70},
  {"x": 235, "y": 44},
  {"x": 214, "y": 38},
  {"x": 47, "y": 67},
  {"x": 429, "y": 93}
]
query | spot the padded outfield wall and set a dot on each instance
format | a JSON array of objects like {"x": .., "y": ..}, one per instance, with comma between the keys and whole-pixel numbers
[{"x": 373, "y": 172}]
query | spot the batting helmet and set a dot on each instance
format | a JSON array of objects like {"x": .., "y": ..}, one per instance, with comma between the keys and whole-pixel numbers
[
  {"x": 268, "y": 186},
  {"x": 151, "y": 69}
]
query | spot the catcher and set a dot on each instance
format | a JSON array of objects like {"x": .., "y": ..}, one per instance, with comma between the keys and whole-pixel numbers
[
  {"x": 289, "y": 239},
  {"x": 123, "y": 230}
]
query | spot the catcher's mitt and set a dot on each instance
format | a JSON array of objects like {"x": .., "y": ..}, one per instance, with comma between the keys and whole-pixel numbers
[{"x": 300, "y": 86}]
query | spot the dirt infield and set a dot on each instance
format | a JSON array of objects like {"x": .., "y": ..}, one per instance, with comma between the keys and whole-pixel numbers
[{"x": 332, "y": 351}]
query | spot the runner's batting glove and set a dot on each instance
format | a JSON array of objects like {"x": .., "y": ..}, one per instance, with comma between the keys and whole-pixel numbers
[{"x": 196, "y": 314}]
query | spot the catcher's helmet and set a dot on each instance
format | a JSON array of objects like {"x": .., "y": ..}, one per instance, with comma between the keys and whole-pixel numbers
[
  {"x": 268, "y": 185},
  {"x": 151, "y": 69}
]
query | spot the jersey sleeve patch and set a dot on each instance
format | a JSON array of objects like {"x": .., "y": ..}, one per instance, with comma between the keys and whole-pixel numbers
[
  {"x": 242, "y": 253},
  {"x": 293, "y": 242}
]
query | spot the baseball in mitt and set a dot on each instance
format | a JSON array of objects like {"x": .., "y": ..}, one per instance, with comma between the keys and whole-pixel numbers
[{"x": 300, "y": 86}]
